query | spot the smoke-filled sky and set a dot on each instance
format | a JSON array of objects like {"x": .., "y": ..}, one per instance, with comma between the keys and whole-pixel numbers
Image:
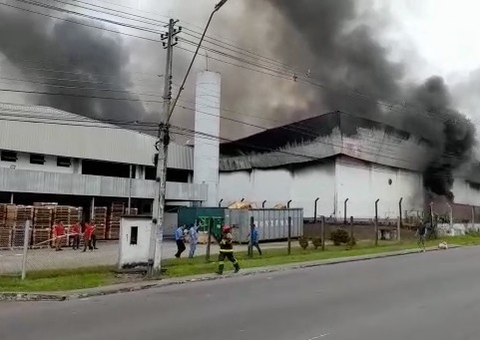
[{"x": 403, "y": 51}]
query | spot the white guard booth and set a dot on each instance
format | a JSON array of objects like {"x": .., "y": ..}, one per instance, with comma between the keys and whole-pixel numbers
[{"x": 134, "y": 241}]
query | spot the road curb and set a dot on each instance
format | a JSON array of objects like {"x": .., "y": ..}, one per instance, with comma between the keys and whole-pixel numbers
[{"x": 16, "y": 296}]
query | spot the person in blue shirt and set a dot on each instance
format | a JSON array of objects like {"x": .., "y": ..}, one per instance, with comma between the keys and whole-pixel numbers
[
  {"x": 193, "y": 233},
  {"x": 180, "y": 240},
  {"x": 255, "y": 239}
]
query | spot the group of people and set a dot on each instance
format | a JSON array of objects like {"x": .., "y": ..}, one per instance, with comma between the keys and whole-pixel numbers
[
  {"x": 225, "y": 243},
  {"x": 77, "y": 231}
]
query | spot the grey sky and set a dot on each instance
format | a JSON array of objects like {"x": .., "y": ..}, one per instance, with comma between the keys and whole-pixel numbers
[{"x": 433, "y": 36}]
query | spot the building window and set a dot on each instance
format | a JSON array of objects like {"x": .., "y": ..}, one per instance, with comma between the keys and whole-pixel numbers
[
  {"x": 64, "y": 162},
  {"x": 9, "y": 156},
  {"x": 133, "y": 236},
  {"x": 37, "y": 159}
]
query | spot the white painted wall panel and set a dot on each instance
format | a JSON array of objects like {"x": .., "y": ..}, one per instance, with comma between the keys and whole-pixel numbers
[
  {"x": 44, "y": 130},
  {"x": 311, "y": 182},
  {"x": 131, "y": 254},
  {"x": 302, "y": 186},
  {"x": 28, "y": 181},
  {"x": 233, "y": 186},
  {"x": 50, "y": 165},
  {"x": 273, "y": 185},
  {"x": 464, "y": 193},
  {"x": 364, "y": 183},
  {"x": 207, "y": 123}
]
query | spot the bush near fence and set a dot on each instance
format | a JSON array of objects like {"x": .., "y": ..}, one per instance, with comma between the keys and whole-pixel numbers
[{"x": 364, "y": 230}]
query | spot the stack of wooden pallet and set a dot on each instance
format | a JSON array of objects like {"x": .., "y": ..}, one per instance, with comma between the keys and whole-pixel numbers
[
  {"x": 24, "y": 213},
  {"x": 68, "y": 216},
  {"x": 75, "y": 217},
  {"x": 116, "y": 212},
  {"x": 11, "y": 216},
  {"x": 100, "y": 221},
  {"x": 5, "y": 232},
  {"x": 42, "y": 223}
]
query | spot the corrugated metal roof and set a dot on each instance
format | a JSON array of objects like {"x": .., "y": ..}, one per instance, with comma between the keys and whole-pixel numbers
[
  {"x": 373, "y": 144},
  {"x": 44, "y": 130}
]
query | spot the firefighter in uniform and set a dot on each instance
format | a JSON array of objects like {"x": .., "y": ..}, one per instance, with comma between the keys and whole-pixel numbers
[{"x": 226, "y": 250}]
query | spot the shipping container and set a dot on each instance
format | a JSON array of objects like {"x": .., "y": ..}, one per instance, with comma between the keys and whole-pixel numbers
[
  {"x": 272, "y": 223},
  {"x": 188, "y": 216}
]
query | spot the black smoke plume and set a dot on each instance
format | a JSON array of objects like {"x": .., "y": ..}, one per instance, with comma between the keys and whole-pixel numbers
[
  {"x": 346, "y": 55},
  {"x": 96, "y": 57}
]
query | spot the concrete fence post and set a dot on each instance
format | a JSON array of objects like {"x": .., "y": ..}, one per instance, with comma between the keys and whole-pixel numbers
[
  {"x": 352, "y": 232},
  {"x": 473, "y": 218},
  {"x": 399, "y": 223},
  {"x": 289, "y": 235},
  {"x": 315, "y": 207},
  {"x": 345, "y": 211},
  {"x": 400, "y": 210},
  {"x": 376, "y": 222},
  {"x": 209, "y": 239},
  {"x": 26, "y": 240},
  {"x": 323, "y": 233}
]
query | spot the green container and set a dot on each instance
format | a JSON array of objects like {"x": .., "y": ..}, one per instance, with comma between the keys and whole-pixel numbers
[{"x": 188, "y": 216}]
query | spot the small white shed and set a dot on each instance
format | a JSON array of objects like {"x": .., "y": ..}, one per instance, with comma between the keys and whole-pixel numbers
[{"x": 134, "y": 241}]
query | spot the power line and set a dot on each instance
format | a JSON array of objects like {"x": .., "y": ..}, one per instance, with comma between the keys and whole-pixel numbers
[
  {"x": 78, "y": 23},
  {"x": 144, "y": 19},
  {"x": 78, "y": 95},
  {"x": 63, "y": 10},
  {"x": 53, "y": 70},
  {"x": 80, "y": 88}
]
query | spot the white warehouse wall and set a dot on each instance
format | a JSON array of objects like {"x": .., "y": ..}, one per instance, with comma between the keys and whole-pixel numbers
[
  {"x": 50, "y": 165},
  {"x": 332, "y": 182},
  {"x": 464, "y": 193},
  {"x": 302, "y": 186},
  {"x": 363, "y": 183},
  {"x": 312, "y": 182}
]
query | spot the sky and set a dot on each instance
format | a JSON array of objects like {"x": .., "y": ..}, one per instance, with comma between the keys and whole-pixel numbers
[
  {"x": 434, "y": 36},
  {"x": 438, "y": 36}
]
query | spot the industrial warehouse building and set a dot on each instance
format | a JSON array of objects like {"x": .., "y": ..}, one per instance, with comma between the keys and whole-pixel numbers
[
  {"x": 48, "y": 155},
  {"x": 335, "y": 158}
]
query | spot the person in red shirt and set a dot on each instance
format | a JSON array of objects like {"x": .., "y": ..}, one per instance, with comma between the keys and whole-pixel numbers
[
  {"x": 87, "y": 236},
  {"x": 75, "y": 235},
  {"x": 59, "y": 231}
]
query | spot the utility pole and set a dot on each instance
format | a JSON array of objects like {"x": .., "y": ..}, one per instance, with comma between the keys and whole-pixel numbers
[{"x": 169, "y": 40}]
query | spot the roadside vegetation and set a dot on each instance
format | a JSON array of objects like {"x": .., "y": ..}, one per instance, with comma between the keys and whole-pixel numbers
[{"x": 82, "y": 278}]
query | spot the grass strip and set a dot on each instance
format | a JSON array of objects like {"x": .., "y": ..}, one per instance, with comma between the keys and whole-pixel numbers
[{"x": 82, "y": 278}]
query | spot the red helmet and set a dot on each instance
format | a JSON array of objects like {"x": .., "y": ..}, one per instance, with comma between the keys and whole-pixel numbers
[{"x": 226, "y": 229}]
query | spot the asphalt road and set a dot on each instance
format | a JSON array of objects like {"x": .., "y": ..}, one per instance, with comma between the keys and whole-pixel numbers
[{"x": 421, "y": 296}]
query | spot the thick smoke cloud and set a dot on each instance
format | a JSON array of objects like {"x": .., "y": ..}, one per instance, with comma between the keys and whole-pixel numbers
[
  {"x": 345, "y": 54},
  {"x": 61, "y": 45}
]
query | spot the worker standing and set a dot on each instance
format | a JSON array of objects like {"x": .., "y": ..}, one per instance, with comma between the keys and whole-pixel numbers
[
  {"x": 193, "y": 235},
  {"x": 255, "y": 239},
  {"x": 226, "y": 251},
  {"x": 59, "y": 235},
  {"x": 87, "y": 237},
  {"x": 75, "y": 235},
  {"x": 180, "y": 240}
]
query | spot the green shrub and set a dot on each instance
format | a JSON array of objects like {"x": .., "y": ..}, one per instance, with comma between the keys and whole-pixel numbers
[
  {"x": 339, "y": 236},
  {"x": 303, "y": 241},
  {"x": 317, "y": 242}
]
